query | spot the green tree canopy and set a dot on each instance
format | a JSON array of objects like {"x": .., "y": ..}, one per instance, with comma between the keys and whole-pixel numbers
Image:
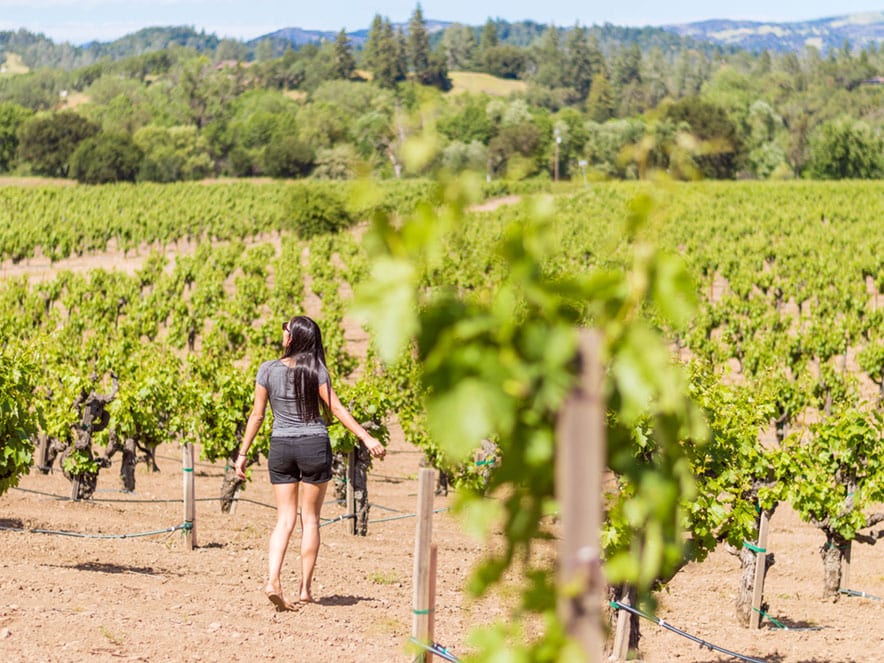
[
  {"x": 12, "y": 116},
  {"x": 711, "y": 124},
  {"x": 47, "y": 141},
  {"x": 846, "y": 148},
  {"x": 106, "y": 158}
]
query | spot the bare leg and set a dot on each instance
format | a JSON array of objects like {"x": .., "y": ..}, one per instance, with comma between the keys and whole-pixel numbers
[
  {"x": 313, "y": 496},
  {"x": 286, "y": 514}
]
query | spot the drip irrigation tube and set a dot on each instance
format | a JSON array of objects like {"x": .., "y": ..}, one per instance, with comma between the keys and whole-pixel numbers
[
  {"x": 853, "y": 592},
  {"x": 81, "y": 535},
  {"x": 407, "y": 515},
  {"x": 436, "y": 649},
  {"x": 346, "y": 516},
  {"x": 702, "y": 643}
]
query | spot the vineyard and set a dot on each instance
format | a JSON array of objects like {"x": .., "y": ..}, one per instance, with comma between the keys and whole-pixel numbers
[{"x": 768, "y": 297}]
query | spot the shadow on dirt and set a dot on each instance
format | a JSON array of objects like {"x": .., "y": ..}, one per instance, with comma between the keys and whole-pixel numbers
[
  {"x": 777, "y": 658},
  {"x": 794, "y": 625},
  {"x": 337, "y": 599},
  {"x": 100, "y": 567}
]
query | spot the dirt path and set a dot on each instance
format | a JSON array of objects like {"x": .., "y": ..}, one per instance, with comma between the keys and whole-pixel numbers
[{"x": 148, "y": 599}]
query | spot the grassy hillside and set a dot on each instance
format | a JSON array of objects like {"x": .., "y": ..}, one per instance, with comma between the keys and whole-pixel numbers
[
  {"x": 468, "y": 81},
  {"x": 13, "y": 65}
]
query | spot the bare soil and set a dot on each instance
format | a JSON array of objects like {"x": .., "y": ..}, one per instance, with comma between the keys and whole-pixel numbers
[
  {"x": 65, "y": 598},
  {"x": 148, "y": 598}
]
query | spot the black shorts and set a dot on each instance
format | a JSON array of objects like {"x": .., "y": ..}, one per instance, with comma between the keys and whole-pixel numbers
[{"x": 294, "y": 459}]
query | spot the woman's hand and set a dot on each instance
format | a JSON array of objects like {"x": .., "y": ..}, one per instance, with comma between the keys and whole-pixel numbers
[
  {"x": 240, "y": 466},
  {"x": 374, "y": 447}
]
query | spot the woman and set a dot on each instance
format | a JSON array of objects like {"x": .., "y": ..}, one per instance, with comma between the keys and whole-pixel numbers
[{"x": 301, "y": 397}]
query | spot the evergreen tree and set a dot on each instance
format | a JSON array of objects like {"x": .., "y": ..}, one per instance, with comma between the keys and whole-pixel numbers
[
  {"x": 436, "y": 73},
  {"x": 384, "y": 53},
  {"x": 627, "y": 66},
  {"x": 688, "y": 74},
  {"x": 654, "y": 75},
  {"x": 489, "y": 37},
  {"x": 344, "y": 64},
  {"x": 764, "y": 63},
  {"x": 549, "y": 59},
  {"x": 418, "y": 44},
  {"x": 374, "y": 44},
  {"x": 459, "y": 42},
  {"x": 401, "y": 53},
  {"x": 264, "y": 50},
  {"x": 579, "y": 65},
  {"x": 600, "y": 103},
  {"x": 596, "y": 59}
]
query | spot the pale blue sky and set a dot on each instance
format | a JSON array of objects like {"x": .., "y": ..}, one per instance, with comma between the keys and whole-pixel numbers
[{"x": 79, "y": 21}]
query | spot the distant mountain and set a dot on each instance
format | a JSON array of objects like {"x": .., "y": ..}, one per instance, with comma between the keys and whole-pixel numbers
[
  {"x": 518, "y": 33},
  {"x": 37, "y": 50},
  {"x": 299, "y": 36},
  {"x": 860, "y": 30}
]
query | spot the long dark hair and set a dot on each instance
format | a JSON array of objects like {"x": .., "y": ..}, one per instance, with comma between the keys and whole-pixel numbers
[{"x": 305, "y": 347}]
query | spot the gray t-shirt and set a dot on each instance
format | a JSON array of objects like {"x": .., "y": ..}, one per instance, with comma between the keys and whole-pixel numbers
[{"x": 277, "y": 379}]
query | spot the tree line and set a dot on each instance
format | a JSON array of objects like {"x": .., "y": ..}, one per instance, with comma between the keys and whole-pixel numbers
[{"x": 584, "y": 106}]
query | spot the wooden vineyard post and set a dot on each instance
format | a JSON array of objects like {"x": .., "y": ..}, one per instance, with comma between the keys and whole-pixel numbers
[
  {"x": 760, "y": 564},
  {"x": 622, "y": 631},
  {"x": 422, "y": 600},
  {"x": 351, "y": 489},
  {"x": 580, "y": 462},
  {"x": 41, "y": 452},
  {"x": 845, "y": 572},
  {"x": 431, "y": 599},
  {"x": 235, "y": 499},
  {"x": 189, "y": 511}
]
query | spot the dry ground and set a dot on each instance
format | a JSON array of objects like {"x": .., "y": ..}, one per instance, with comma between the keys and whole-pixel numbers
[{"x": 148, "y": 599}]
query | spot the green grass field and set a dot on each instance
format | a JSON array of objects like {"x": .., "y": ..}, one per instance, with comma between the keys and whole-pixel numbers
[{"x": 475, "y": 83}]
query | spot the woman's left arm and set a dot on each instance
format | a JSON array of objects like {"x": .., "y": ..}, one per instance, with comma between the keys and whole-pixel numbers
[
  {"x": 253, "y": 425},
  {"x": 327, "y": 393}
]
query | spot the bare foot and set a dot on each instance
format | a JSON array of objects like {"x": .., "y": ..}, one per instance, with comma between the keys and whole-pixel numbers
[{"x": 279, "y": 602}]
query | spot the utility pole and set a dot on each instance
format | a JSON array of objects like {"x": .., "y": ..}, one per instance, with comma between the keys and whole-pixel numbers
[{"x": 558, "y": 142}]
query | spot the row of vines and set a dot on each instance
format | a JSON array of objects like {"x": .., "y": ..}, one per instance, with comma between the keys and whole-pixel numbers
[{"x": 767, "y": 296}]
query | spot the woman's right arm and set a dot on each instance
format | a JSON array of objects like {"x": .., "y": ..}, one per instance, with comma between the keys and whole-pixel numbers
[
  {"x": 375, "y": 448},
  {"x": 256, "y": 418}
]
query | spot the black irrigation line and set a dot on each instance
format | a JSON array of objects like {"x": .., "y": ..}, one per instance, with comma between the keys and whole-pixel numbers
[
  {"x": 407, "y": 515},
  {"x": 183, "y": 526},
  {"x": 385, "y": 508},
  {"x": 346, "y": 516},
  {"x": 40, "y": 492},
  {"x": 702, "y": 643},
  {"x": 196, "y": 463},
  {"x": 326, "y": 521}
]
